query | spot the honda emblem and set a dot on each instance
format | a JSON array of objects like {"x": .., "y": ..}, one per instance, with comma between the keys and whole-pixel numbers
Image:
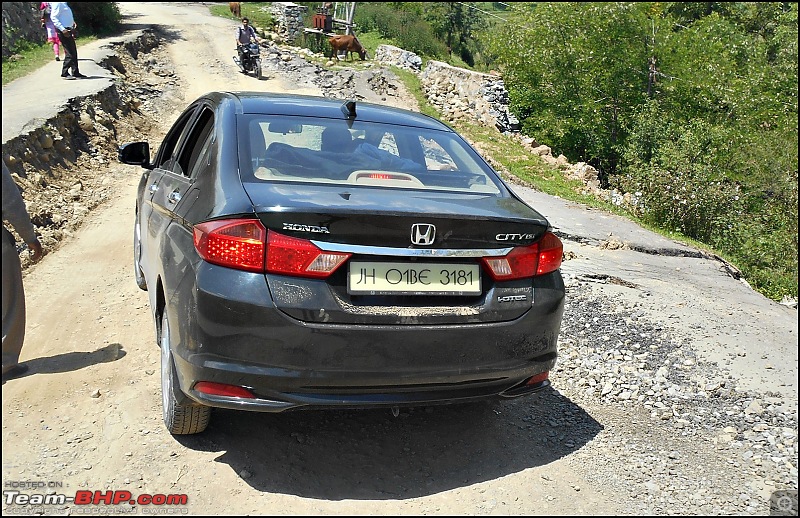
[{"x": 422, "y": 234}]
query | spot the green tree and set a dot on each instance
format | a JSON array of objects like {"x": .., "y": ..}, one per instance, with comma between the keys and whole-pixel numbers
[
  {"x": 405, "y": 27},
  {"x": 457, "y": 24},
  {"x": 575, "y": 71},
  {"x": 692, "y": 106}
]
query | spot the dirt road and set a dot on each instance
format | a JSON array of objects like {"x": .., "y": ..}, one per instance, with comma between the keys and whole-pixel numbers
[{"x": 639, "y": 421}]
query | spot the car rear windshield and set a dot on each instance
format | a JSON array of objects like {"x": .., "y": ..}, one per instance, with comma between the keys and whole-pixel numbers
[{"x": 299, "y": 149}]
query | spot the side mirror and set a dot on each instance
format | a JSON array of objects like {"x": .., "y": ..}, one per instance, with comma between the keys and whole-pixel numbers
[{"x": 135, "y": 153}]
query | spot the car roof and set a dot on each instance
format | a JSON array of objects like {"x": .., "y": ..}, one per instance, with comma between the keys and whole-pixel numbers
[{"x": 268, "y": 103}]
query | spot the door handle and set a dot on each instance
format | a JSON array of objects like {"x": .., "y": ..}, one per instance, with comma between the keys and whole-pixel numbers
[{"x": 174, "y": 197}]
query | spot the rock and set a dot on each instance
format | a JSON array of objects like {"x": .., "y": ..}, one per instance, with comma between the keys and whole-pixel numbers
[
  {"x": 754, "y": 408},
  {"x": 46, "y": 141},
  {"x": 549, "y": 159},
  {"x": 542, "y": 151},
  {"x": 86, "y": 123}
]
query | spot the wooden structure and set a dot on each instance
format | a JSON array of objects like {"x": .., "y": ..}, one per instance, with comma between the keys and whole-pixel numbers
[{"x": 332, "y": 17}]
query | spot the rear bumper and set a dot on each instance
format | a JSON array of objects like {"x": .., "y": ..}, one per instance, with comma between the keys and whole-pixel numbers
[
  {"x": 318, "y": 401},
  {"x": 235, "y": 335},
  {"x": 350, "y": 391}
]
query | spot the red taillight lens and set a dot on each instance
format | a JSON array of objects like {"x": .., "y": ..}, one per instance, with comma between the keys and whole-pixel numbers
[
  {"x": 527, "y": 261},
  {"x": 245, "y": 244},
  {"x": 551, "y": 251},
  {"x": 519, "y": 263},
  {"x": 300, "y": 257},
  {"x": 222, "y": 389},
  {"x": 538, "y": 378},
  {"x": 235, "y": 243}
]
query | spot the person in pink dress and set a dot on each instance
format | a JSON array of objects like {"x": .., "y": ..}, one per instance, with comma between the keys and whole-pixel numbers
[{"x": 47, "y": 23}]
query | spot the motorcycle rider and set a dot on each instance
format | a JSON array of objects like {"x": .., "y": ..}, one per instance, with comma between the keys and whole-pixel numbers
[{"x": 244, "y": 33}]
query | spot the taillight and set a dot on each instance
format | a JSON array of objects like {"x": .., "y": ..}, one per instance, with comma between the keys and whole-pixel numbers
[
  {"x": 538, "y": 378},
  {"x": 539, "y": 258},
  {"x": 235, "y": 243},
  {"x": 245, "y": 244},
  {"x": 222, "y": 389},
  {"x": 551, "y": 251},
  {"x": 300, "y": 257}
]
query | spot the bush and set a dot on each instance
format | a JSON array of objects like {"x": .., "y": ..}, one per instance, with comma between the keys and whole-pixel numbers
[
  {"x": 99, "y": 18},
  {"x": 682, "y": 174},
  {"x": 407, "y": 28}
]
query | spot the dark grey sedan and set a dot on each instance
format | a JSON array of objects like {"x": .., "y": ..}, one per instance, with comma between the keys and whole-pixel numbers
[{"x": 301, "y": 252}]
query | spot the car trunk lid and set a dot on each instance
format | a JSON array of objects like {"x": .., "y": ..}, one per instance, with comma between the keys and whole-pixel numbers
[{"x": 416, "y": 232}]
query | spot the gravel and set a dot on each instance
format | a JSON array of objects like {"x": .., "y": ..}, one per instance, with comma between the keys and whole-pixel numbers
[{"x": 682, "y": 438}]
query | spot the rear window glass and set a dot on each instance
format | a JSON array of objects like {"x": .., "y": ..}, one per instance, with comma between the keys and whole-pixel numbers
[{"x": 299, "y": 149}]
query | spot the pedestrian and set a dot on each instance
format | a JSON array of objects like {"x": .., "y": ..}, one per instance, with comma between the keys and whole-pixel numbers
[
  {"x": 66, "y": 28},
  {"x": 16, "y": 214},
  {"x": 47, "y": 23}
]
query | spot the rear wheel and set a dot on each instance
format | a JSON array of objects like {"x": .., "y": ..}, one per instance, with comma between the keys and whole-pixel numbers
[
  {"x": 181, "y": 416},
  {"x": 137, "y": 255}
]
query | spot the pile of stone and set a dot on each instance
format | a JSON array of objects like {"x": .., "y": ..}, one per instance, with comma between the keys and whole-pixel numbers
[
  {"x": 391, "y": 55},
  {"x": 610, "y": 352},
  {"x": 494, "y": 92},
  {"x": 289, "y": 23},
  {"x": 463, "y": 94},
  {"x": 20, "y": 23}
]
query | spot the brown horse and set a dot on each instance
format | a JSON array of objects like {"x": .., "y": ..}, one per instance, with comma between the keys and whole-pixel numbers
[{"x": 236, "y": 9}]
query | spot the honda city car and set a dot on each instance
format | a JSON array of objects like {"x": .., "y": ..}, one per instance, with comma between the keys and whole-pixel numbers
[{"x": 303, "y": 252}]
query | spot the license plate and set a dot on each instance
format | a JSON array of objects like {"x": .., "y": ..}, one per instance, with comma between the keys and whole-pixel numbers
[{"x": 380, "y": 278}]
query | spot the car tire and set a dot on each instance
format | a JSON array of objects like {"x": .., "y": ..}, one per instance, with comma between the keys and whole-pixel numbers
[
  {"x": 181, "y": 416},
  {"x": 137, "y": 255}
]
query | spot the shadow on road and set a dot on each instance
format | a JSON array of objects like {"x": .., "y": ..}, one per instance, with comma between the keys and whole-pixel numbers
[
  {"x": 369, "y": 454},
  {"x": 69, "y": 362}
]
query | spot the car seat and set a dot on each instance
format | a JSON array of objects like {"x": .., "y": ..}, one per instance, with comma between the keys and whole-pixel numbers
[{"x": 336, "y": 140}]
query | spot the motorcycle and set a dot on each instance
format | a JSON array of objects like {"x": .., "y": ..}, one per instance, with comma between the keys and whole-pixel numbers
[{"x": 249, "y": 59}]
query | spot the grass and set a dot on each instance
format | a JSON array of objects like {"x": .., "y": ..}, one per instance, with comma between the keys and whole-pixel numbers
[
  {"x": 30, "y": 57},
  {"x": 536, "y": 173},
  {"x": 254, "y": 11},
  {"x": 372, "y": 40}
]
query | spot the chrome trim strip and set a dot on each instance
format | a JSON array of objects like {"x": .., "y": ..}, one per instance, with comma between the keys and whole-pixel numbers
[{"x": 410, "y": 252}]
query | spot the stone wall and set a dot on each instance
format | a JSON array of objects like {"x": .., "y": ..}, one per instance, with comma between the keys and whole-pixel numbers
[
  {"x": 391, "y": 55},
  {"x": 21, "y": 22},
  {"x": 289, "y": 20},
  {"x": 459, "y": 93}
]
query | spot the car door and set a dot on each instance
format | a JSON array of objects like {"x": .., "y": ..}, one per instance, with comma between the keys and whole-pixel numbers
[
  {"x": 175, "y": 194},
  {"x": 145, "y": 210}
]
